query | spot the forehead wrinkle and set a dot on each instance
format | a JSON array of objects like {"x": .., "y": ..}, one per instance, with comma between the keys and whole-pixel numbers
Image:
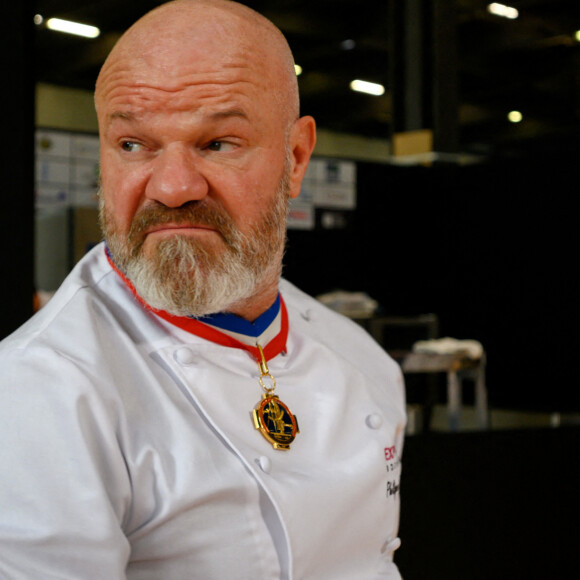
[
  {"x": 142, "y": 97},
  {"x": 134, "y": 84},
  {"x": 217, "y": 112}
]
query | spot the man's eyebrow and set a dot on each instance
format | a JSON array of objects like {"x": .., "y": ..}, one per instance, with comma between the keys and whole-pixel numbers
[
  {"x": 123, "y": 115},
  {"x": 218, "y": 115}
]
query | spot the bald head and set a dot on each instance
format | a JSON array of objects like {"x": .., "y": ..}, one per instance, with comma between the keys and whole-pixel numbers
[{"x": 190, "y": 38}]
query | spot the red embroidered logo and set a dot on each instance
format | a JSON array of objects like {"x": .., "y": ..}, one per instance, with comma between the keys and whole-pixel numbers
[{"x": 390, "y": 453}]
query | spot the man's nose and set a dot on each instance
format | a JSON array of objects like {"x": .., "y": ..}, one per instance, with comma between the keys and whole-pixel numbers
[{"x": 176, "y": 178}]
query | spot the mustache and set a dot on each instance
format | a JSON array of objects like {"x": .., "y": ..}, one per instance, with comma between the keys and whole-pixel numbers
[{"x": 193, "y": 212}]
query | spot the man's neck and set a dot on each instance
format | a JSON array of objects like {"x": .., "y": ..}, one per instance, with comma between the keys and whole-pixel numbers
[{"x": 250, "y": 309}]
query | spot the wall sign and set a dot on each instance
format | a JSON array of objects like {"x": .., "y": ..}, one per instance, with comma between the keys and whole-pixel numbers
[
  {"x": 328, "y": 184},
  {"x": 67, "y": 169}
]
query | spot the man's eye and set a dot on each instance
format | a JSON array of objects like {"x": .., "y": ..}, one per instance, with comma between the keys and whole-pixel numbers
[
  {"x": 130, "y": 146},
  {"x": 215, "y": 145},
  {"x": 221, "y": 146}
]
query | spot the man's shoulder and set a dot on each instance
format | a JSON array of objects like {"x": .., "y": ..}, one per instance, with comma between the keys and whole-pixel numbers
[
  {"x": 343, "y": 341},
  {"x": 312, "y": 310},
  {"x": 67, "y": 314},
  {"x": 336, "y": 331}
]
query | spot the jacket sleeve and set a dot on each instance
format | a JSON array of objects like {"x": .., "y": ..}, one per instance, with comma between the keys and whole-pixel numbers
[{"x": 64, "y": 488}]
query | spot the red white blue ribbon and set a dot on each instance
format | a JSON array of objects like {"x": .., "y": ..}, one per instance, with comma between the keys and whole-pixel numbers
[{"x": 211, "y": 333}]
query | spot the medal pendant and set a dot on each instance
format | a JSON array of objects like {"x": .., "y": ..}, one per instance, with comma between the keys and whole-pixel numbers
[{"x": 275, "y": 421}]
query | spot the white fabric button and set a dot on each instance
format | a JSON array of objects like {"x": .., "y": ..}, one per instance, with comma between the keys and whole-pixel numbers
[
  {"x": 391, "y": 546},
  {"x": 374, "y": 421},
  {"x": 184, "y": 356},
  {"x": 264, "y": 463}
]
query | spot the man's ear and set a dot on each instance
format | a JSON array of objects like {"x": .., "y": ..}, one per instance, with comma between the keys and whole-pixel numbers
[{"x": 301, "y": 144}]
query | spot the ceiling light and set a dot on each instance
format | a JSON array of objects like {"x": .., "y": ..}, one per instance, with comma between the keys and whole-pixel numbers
[
  {"x": 297, "y": 70},
  {"x": 515, "y": 116},
  {"x": 348, "y": 44},
  {"x": 502, "y": 10},
  {"x": 577, "y": 35},
  {"x": 366, "y": 87},
  {"x": 73, "y": 27}
]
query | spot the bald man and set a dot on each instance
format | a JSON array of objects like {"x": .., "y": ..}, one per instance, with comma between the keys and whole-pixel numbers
[{"x": 178, "y": 410}]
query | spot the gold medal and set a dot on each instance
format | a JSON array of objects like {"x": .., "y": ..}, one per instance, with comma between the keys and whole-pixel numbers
[
  {"x": 275, "y": 421},
  {"x": 271, "y": 416}
]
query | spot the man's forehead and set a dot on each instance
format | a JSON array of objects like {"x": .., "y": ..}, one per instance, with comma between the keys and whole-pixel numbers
[
  {"x": 188, "y": 74},
  {"x": 224, "y": 91}
]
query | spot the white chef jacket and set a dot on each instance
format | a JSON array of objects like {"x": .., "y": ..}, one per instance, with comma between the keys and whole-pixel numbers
[{"x": 128, "y": 450}]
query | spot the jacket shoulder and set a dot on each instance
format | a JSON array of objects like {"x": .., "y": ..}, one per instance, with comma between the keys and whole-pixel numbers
[
  {"x": 91, "y": 308},
  {"x": 337, "y": 332}
]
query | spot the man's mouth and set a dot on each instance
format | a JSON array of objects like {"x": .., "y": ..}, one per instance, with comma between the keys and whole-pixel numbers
[{"x": 180, "y": 228}]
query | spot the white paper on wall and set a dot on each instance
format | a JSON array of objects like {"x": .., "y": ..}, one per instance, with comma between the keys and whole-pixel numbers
[
  {"x": 66, "y": 169},
  {"x": 328, "y": 183}
]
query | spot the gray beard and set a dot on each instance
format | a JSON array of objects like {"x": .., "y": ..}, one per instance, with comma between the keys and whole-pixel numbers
[{"x": 185, "y": 278}]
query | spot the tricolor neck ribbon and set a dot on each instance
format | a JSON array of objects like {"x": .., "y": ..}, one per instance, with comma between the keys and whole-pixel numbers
[{"x": 208, "y": 332}]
